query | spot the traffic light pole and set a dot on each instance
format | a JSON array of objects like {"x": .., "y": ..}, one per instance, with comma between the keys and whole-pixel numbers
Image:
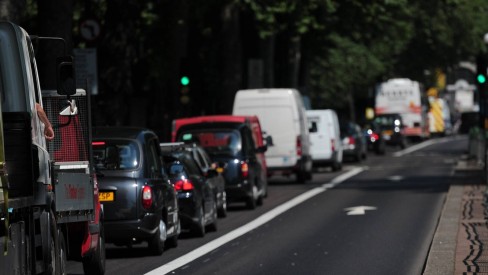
[{"x": 481, "y": 80}]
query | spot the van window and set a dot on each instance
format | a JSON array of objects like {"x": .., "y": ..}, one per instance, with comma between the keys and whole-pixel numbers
[{"x": 313, "y": 127}]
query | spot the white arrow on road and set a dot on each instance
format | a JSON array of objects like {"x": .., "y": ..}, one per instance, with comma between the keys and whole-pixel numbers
[{"x": 358, "y": 210}]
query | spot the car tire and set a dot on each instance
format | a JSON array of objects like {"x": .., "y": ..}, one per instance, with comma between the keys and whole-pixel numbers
[
  {"x": 260, "y": 200},
  {"x": 301, "y": 176},
  {"x": 95, "y": 263},
  {"x": 156, "y": 242},
  {"x": 173, "y": 240},
  {"x": 199, "y": 228},
  {"x": 213, "y": 226},
  {"x": 336, "y": 166},
  {"x": 251, "y": 200},
  {"x": 63, "y": 257},
  {"x": 222, "y": 211}
]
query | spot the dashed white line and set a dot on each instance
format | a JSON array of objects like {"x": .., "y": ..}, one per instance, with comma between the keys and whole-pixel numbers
[{"x": 266, "y": 217}]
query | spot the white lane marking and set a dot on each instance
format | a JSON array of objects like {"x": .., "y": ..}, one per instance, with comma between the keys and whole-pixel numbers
[
  {"x": 396, "y": 178},
  {"x": 358, "y": 210},
  {"x": 421, "y": 145},
  {"x": 266, "y": 217}
]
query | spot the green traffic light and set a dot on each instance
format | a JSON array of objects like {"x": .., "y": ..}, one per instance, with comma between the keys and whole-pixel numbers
[
  {"x": 481, "y": 78},
  {"x": 185, "y": 80}
]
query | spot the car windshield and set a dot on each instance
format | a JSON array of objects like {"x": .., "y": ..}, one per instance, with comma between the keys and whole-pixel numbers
[
  {"x": 116, "y": 155},
  {"x": 225, "y": 142}
]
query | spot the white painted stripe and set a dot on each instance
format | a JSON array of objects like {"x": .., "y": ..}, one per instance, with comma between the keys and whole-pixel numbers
[
  {"x": 421, "y": 145},
  {"x": 266, "y": 217}
]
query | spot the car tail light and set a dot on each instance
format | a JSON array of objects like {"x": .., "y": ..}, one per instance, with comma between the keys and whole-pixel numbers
[
  {"x": 299, "y": 146},
  {"x": 374, "y": 137},
  {"x": 146, "y": 197},
  {"x": 98, "y": 143},
  {"x": 244, "y": 169},
  {"x": 183, "y": 185},
  {"x": 350, "y": 140},
  {"x": 332, "y": 145}
]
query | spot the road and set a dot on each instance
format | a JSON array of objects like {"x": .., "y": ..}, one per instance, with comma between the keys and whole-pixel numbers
[{"x": 318, "y": 232}]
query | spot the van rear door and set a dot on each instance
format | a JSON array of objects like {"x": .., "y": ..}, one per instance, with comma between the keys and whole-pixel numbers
[{"x": 320, "y": 137}]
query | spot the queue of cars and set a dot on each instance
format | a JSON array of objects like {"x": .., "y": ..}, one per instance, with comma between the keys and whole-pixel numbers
[{"x": 152, "y": 191}]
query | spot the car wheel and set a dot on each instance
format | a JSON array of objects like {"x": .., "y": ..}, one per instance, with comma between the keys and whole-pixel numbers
[
  {"x": 251, "y": 201},
  {"x": 173, "y": 240},
  {"x": 336, "y": 166},
  {"x": 156, "y": 243},
  {"x": 213, "y": 226},
  {"x": 95, "y": 263},
  {"x": 199, "y": 227},
  {"x": 52, "y": 260},
  {"x": 301, "y": 176},
  {"x": 260, "y": 200},
  {"x": 62, "y": 253},
  {"x": 222, "y": 212}
]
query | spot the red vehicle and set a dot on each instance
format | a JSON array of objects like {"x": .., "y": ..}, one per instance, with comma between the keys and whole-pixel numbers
[
  {"x": 236, "y": 143},
  {"x": 252, "y": 121}
]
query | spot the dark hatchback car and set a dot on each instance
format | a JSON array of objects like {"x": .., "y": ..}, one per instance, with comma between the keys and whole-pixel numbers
[
  {"x": 232, "y": 146},
  {"x": 139, "y": 201},
  {"x": 391, "y": 126},
  {"x": 353, "y": 141},
  {"x": 200, "y": 188}
]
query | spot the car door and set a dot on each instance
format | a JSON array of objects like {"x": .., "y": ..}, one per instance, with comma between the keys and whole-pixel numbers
[
  {"x": 249, "y": 155},
  {"x": 216, "y": 181},
  {"x": 153, "y": 170},
  {"x": 208, "y": 187}
]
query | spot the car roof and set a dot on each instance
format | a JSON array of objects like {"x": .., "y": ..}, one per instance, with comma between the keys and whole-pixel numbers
[{"x": 109, "y": 132}]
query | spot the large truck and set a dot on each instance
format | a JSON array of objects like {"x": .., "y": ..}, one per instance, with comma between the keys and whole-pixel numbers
[
  {"x": 405, "y": 97},
  {"x": 49, "y": 207}
]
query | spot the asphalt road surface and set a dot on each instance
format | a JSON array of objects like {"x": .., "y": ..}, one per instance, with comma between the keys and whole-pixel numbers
[{"x": 377, "y": 216}]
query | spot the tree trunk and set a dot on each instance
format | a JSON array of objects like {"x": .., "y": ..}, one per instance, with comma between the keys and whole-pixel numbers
[
  {"x": 268, "y": 53},
  {"x": 231, "y": 56},
  {"x": 294, "y": 57},
  {"x": 11, "y": 10}
]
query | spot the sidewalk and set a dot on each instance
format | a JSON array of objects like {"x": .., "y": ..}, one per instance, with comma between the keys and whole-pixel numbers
[{"x": 460, "y": 244}]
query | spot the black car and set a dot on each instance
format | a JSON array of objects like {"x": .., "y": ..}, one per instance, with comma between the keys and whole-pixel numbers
[
  {"x": 232, "y": 146},
  {"x": 353, "y": 141},
  {"x": 139, "y": 201},
  {"x": 391, "y": 126},
  {"x": 374, "y": 138},
  {"x": 200, "y": 188}
]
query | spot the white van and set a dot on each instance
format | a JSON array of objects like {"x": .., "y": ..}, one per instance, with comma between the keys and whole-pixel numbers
[
  {"x": 325, "y": 138},
  {"x": 282, "y": 116}
]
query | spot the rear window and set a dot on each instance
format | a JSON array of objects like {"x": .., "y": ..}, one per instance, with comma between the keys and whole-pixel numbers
[
  {"x": 347, "y": 129},
  {"x": 116, "y": 154},
  {"x": 387, "y": 121},
  {"x": 214, "y": 141}
]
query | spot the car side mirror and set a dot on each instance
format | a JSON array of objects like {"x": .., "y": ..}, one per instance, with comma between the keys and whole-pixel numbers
[
  {"x": 65, "y": 74},
  {"x": 268, "y": 141}
]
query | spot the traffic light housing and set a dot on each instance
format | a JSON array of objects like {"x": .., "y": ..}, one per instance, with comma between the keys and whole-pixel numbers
[{"x": 481, "y": 68}]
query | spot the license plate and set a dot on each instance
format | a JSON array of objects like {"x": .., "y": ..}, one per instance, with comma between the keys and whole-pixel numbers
[{"x": 106, "y": 196}]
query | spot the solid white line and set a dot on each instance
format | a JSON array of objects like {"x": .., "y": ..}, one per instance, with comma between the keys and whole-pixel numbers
[
  {"x": 419, "y": 146},
  {"x": 266, "y": 217}
]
